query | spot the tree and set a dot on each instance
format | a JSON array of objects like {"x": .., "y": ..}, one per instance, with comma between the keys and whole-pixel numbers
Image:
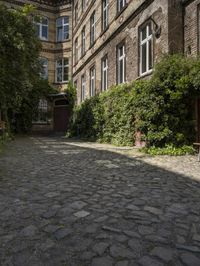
[{"x": 19, "y": 60}]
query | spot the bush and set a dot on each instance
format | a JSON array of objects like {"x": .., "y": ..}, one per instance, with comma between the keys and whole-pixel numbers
[
  {"x": 161, "y": 108},
  {"x": 170, "y": 150}
]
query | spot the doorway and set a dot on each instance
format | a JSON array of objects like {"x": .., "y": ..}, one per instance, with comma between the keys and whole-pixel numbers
[{"x": 61, "y": 115}]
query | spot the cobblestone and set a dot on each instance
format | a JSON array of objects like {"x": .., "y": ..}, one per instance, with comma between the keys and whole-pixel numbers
[{"x": 81, "y": 204}]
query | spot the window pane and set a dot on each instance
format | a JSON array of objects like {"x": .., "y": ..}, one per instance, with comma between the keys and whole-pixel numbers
[
  {"x": 144, "y": 33},
  {"x": 59, "y": 34},
  {"x": 66, "y": 32},
  {"x": 59, "y": 74},
  {"x": 121, "y": 71},
  {"x": 66, "y": 61},
  {"x": 144, "y": 58},
  {"x": 44, "y": 32},
  {"x": 44, "y": 21},
  {"x": 66, "y": 73},
  {"x": 59, "y": 22},
  {"x": 150, "y": 55},
  {"x": 66, "y": 20}
]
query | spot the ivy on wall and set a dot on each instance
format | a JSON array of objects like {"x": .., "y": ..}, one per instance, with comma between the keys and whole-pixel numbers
[{"x": 162, "y": 108}]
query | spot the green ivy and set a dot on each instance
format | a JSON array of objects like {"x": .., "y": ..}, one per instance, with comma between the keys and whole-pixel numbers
[{"x": 161, "y": 108}]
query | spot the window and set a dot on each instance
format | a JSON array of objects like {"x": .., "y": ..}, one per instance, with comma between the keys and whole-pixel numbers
[
  {"x": 62, "y": 29},
  {"x": 62, "y": 70},
  {"x": 42, "y": 112},
  {"x": 121, "y": 64},
  {"x": 41, "y": 26},
  {"x": 105, "y": 4},
  {"x": 92, "y": 81},
  {"x": 83, "y": 41},
  {"x": 44, "y": 71},
  {"x": 82, "y": 88},
  {"x": 104, "y": 73},
  {"x": 146, "y": 51},
  {"x": 83, "y": 5},
  {"x": 76, "y": 51},
  {"x": 76, "y": 13},
  {"x": 92, "y": 29},
  {"x": 120, "y": 5}
]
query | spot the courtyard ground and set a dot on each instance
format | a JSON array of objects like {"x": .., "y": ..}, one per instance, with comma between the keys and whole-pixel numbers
[{"x": 81, "y": 204}]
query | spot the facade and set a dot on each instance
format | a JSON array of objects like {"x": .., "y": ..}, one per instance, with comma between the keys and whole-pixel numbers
[
  {"x": 119, "y": 41},
  {"x": 192, "y": 40},
  {"x": 54, "y": 28},
  {"x": 101, "y": 43}
]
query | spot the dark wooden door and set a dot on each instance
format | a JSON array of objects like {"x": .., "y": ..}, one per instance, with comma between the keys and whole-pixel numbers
[{"x": 61, "y": 118}]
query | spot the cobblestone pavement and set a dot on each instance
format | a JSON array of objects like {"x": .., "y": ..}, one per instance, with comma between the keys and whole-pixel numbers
[{"x": 81, "y": 204}]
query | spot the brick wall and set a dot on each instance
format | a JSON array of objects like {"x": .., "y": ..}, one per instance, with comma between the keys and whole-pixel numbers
[
  {"x": 122, "y": 28},
  {"x": 191, "y": 28}
]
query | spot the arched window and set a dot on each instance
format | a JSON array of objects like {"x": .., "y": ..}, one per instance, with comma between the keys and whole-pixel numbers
[
  {"x": 62, "y": 29},
  {"x": 41, "y": 26},
  {"x": 44, "y": 70}
]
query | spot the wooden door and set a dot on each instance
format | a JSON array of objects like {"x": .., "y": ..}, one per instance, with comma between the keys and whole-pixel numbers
[{"x": 61, "y": 118}]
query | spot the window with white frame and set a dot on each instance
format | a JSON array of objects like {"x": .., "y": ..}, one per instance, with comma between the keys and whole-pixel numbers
[
  {"x": 146, "y": 49},
  {"x": 104, "y": 73},
  {"x": 62, "y": 70},
  {"x": 121, "y": 64},
  {"x": 41, "y": 26},
  {"x": 92, "y": 81},
  {"x": 120, "y": 5},
  {"x": 62, "y": 29},
  {"x": 83, "y": 41},
  {"x": 82, "y": 87},
  {"x": 105, "y": 5},
  {"x": 92, "y": 28},
  {"x": 44, "y": 66},
  {"x": 76, "y": 50}
]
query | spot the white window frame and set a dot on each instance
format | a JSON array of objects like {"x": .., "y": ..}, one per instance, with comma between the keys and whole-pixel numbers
[
  {"x": 38, "y": 22},
  {"x": 92, "y": 81},
  {"x": 44, "y": 62},
  {"x": 119, "y": 6},
  {"x": 105, "y": 8},
  {"x": 104, "y": 73},
  {"x": 92, "y": 28},
  {"x": 63, "y": 26},
  {"x": 83, "y": 87},
  {"x": 42, "y": 112},
  {"x": 62, "y": 66},
  {"x": 119, "y": 59},
  {"x": 83, "y": 42},
  {"x": 147, "y": 40}
]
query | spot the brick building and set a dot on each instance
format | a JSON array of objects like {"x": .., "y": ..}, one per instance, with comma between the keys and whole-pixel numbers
[{"x": 110, "y": 42}]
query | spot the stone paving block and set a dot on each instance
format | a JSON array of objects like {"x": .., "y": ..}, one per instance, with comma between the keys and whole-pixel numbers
[
  {"x": 190, "y": 259},
  {"x": 104, "y": 261},
  {"x": 81, "y": 214}
]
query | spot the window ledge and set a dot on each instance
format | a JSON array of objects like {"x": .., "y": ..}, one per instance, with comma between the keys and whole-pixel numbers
[{"x": 146, "y": 74}]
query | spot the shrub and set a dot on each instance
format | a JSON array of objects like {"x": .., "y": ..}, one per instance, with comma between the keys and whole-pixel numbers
[
  {"x": 162, "y": 108},
  {"x": 169, "y": 150}
]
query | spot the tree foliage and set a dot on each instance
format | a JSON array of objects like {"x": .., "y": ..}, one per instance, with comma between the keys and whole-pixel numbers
[{"x": 19, "y": 62}]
